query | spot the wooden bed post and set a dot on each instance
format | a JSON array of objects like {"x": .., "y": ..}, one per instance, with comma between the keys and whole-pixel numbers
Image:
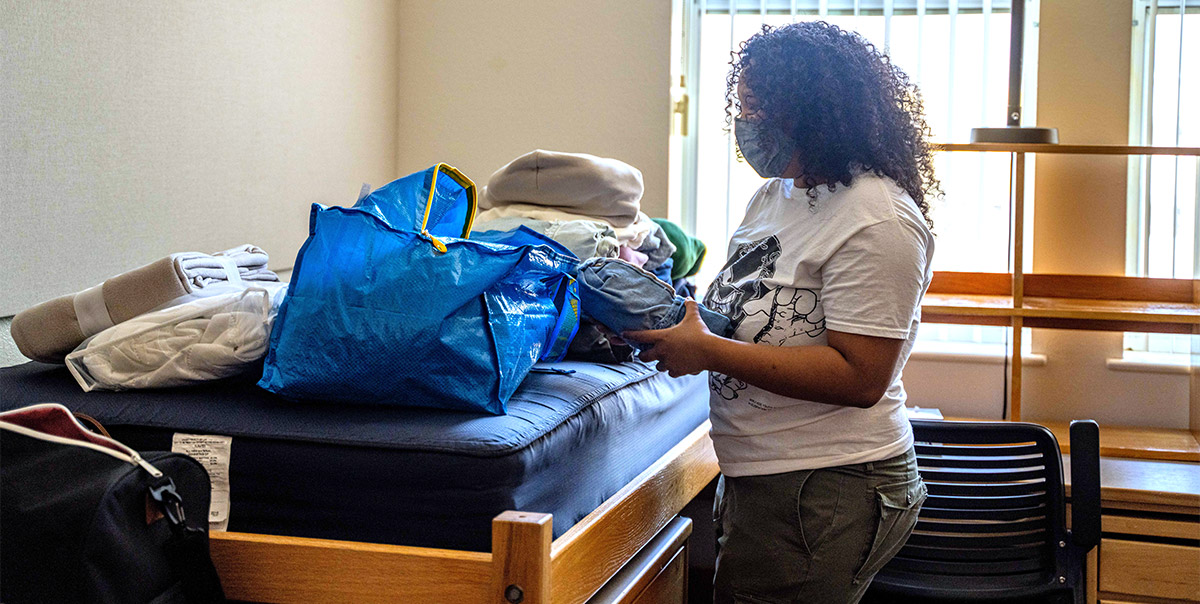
[{"x": 521, "y": 558}]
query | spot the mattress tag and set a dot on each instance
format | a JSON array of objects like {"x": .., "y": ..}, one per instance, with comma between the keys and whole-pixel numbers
[{"x": 213, "y": 453}]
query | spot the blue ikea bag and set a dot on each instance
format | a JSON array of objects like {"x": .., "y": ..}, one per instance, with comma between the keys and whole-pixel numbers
[{"x": 390, "y": 303}]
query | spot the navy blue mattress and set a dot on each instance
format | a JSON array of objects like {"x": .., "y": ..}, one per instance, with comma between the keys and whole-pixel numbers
[{"x": 574, "y": 435}]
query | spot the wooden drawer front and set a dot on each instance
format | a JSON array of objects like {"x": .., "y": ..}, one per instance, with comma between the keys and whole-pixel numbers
[
  {"x": 670, "y": 586},
  {"x": 1150, "y": 569},
  {"x": 657, "y": 574},
  {"x": 1154, "y": 527}
]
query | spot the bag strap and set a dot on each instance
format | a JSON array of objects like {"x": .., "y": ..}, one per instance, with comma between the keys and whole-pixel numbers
[
  {"x": 566, "y": 300},
  {"x": 472, "y": 202},
  {"x": 187, "y": 549},
  {"x": 92, "y": 423}
]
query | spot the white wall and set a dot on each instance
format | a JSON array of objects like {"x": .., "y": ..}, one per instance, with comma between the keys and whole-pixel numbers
[
  {"x": 484, "y": 82},
  {"x": 135, "y": 129}
]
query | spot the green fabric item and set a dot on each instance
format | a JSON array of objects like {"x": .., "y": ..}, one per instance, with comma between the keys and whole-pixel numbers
[{"x": 689, "y": 251}]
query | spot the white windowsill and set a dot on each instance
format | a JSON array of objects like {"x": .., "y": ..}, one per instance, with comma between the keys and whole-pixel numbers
[
  {"x": 960, "y": 352},
  {"x": 1151, "y": 362}
]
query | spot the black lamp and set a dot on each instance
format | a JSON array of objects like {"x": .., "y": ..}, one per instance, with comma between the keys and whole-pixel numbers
[{"x": 1014, "y": 132}]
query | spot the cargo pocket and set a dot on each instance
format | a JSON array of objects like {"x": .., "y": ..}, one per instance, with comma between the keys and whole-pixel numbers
[{"x": 898, "y": 505}]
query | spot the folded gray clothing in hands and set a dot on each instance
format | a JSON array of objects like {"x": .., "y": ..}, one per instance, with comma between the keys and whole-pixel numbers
[
  {"x": 626, "y": 298},
  {"x": 50, "y": 330},
  {"x": 576, "y": 182}
]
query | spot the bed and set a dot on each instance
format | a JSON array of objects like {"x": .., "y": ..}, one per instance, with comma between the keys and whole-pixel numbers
[{"x": 579, "y": 483}]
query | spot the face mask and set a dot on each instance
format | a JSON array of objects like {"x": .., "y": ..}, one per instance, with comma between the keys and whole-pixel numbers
[{"x": 765, "y": 151}]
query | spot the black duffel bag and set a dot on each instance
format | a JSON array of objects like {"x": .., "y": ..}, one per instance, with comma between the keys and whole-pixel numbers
[{"x": 83, "y": 518}]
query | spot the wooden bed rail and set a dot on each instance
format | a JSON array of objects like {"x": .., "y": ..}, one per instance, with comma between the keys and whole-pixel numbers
[
  {"x": 593, "y": 550},
  {"x": 271, "y": 568},
  {"x": 524, "y": 564}
]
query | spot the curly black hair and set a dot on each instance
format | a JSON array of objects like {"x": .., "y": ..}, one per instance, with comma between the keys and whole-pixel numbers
[{"x": 842, "y": 101}]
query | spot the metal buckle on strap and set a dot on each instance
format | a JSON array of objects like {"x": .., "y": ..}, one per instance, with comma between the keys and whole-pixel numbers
[{"x": 170, "y": 501}]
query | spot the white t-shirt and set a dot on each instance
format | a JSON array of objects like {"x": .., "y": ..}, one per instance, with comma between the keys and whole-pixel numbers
[{"x": 856, "y": 261}]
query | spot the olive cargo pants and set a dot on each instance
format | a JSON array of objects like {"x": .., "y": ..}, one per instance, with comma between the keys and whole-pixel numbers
[{"x": 812, "y": 535}]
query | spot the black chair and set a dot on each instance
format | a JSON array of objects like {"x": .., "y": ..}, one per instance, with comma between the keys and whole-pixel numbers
[{"x": 994, "y": 526}]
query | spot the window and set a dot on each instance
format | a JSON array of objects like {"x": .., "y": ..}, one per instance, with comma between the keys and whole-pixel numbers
[
  {"x": 1164, "y": 191},
  {"x": 956, "y": 51}
]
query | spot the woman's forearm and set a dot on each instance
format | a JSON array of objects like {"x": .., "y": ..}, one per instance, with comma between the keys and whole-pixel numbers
[{"x": 813, "y": 373}]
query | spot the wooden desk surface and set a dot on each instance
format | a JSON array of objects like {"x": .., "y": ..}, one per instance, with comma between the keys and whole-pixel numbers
[{"x": 1142, "y": 481}]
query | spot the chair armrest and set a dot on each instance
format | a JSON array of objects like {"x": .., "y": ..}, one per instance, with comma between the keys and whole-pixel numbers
[{"x": 1085, "y": 483}]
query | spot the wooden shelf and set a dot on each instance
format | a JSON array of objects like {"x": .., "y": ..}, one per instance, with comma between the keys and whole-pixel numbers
[
  {"x": 1110, "y": 315},
  {"x": 1148, "y": 486},
  {"x": 1064, "y": 302},
  {"x": 1138, "y": 443},
  {"x": 967, "y": 308},
  {"x": 1130, "y": 442},
  {"x": 1065, "y": 149}
]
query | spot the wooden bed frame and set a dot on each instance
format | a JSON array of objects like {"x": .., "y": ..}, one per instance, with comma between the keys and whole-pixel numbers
[{"x": 525, "y": 565}]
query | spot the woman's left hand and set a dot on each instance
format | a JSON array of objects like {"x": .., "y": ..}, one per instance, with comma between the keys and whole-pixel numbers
[{"x": 682, "y": 349}]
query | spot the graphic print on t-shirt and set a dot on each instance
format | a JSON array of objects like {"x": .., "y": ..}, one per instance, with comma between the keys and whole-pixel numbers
[
  {"x": 738, "y": 283},
  {"x": 741, "y": 280},
  {"x": 793, "y": 313}
]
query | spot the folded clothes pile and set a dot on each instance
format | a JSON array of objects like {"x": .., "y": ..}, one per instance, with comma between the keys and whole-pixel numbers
[
  {"x": 49, "y": 331},
  {"x": 591, "y": 205},
  {"x": 574, "y": 184},
  {"x": 210, "y": 338},
  {"x": 689, "y": 251}
]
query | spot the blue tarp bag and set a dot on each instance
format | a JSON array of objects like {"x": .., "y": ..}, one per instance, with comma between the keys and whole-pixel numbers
[{"x": 390, "y": 303}]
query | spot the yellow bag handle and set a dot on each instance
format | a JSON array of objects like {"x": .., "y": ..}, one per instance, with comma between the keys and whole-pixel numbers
[{"x": 472, "y": 202}]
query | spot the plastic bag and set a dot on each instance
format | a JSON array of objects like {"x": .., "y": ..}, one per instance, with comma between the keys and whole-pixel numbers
[
  {"x": 207, "y": 338},
  {"x": 390, "y": 303}
]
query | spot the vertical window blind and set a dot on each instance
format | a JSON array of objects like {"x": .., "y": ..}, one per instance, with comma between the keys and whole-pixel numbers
[{"x": 1164, "y": 191}]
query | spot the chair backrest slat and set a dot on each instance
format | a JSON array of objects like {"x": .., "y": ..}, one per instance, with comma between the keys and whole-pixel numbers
[
  {"x": 929, "y": 511},
  {"x": 992, "y": 502},
  {"x": 986, "y": 450},
  {"x": 977, "y": 461},
  {"x": 936, "y": 473},
  {"x": 953, "y": 541},
  {"x": 959, "y": 554},
  {"x": 981, "y": 568},
  {"x": 986, "y": 489},
  {"x": 998, "y": 527}
]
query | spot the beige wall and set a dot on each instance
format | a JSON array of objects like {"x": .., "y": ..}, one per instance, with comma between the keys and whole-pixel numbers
[
  {"x": 1083, "y": 90},
  {"x": 135, "y": 129},
  {"x": 484, "y": 82}
]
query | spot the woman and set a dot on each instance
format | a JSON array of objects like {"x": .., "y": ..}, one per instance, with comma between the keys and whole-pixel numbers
[{"x": 823, "y": 285}]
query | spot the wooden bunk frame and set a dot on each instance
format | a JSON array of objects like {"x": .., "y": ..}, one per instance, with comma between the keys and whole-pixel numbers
[{"x": 525, "y": 564}]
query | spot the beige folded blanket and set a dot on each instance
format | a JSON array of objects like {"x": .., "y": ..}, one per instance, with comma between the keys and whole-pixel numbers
[
  {"x": 50, "y": 330},
  {"x": 578, "y": 183}
]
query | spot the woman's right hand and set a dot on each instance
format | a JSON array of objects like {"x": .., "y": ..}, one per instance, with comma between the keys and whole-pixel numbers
[{"x": 683, "y": 349}]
